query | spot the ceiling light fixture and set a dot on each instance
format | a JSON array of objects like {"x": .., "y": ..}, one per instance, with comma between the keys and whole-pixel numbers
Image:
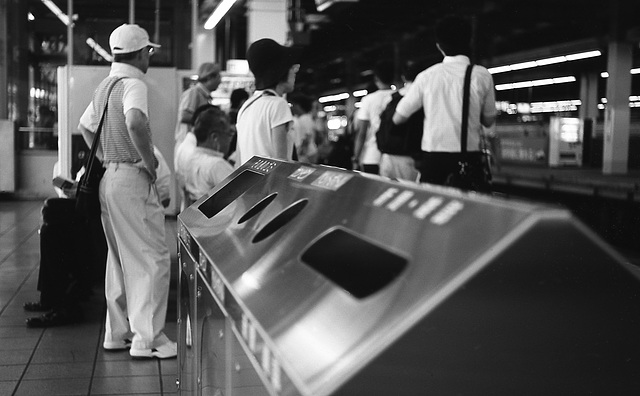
[
  {"x": 57, "y": 11},
  {"x": 219, "y": 13},
  {"x": 535, "y": 83},
  {"x": 334, "y": 98},
  {"x": 322, "y": 5},
  {"x": 632, "y": 71},
  {"x": 98, "y": 48},
  {"x": 544, "y": 62}
]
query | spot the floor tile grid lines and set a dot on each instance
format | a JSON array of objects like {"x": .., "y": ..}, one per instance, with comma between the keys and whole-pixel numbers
[
  {"x": 24, "y": 281},
  {"x": 95, "y": 357},
  {"x": 19, "y": 245},
  {"x": 26, "y": 366},
  {"x": 32, "y": 209}
]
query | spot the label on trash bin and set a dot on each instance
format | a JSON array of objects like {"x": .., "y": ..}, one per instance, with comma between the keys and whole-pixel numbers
[{"x": 332, "y": 180}]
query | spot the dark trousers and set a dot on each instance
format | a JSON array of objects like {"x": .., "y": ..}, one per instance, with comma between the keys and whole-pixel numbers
[
  {"x": 440, "y": 167},
  {"x": 70, "y": 255},
  {"x": 371, "y": 168}
]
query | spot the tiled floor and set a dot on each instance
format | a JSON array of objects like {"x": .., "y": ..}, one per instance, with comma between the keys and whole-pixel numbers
[{"x": 65, "y": 360}]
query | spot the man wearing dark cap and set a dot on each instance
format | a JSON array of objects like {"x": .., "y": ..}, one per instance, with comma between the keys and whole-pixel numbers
[
  {"x": 264, "y": 120},
  {"x": 198, "y": 95},
  {"x": 138, "y": 261}
]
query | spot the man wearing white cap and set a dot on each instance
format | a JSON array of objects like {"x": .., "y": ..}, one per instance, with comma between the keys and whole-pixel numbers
[{"x": 138, "y": 263}]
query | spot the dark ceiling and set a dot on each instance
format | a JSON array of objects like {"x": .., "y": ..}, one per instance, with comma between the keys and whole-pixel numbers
[
  {"x": 342, "y": 43},
  {"x": 358, "y": 34}
]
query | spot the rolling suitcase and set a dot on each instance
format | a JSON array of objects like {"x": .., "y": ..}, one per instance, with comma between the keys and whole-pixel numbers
[{"x": 72, "y": 254}]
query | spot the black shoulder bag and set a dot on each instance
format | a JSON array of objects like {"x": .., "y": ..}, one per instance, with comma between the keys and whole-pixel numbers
[
  {"x": 87, "y": 194},
  {"x": 473, "y": 172}
]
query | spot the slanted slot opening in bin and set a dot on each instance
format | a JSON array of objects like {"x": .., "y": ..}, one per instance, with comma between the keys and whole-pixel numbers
[
  {"x": 357, "y": 265},
  {"x": 229, "y": 193},
  {"x": 258, "y": 207},
  {"x": 280, "y": 220}
]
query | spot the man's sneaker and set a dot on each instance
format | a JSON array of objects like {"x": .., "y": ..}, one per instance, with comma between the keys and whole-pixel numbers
[
  {"x": 119, "y": 345},
  {"x": 167, "y": 350}
]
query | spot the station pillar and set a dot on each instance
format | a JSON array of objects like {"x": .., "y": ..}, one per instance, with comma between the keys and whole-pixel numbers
[
  {"x": 615, "y": 156},
  {"x": 267, "y": 19},
  {"x": 202, "y": 41}
]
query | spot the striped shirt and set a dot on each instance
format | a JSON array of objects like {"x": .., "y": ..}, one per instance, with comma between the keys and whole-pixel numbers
[{"x": 127, "y": 94}]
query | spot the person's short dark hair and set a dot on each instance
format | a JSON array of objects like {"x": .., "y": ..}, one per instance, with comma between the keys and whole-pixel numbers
[
  {"x": 210, "y": 120},
  {"x": 238, "y": 95},
  {"x": 453, "y": 34},
  {"x": 301, "y": 100},
  {"x": 410, "y": 69},
  {"x": 127, "y": 56},
  {"x": 384, "y": 70}
]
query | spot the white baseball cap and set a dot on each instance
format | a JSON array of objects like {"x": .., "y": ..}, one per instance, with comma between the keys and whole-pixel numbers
[{"x": 129, "y": 38}]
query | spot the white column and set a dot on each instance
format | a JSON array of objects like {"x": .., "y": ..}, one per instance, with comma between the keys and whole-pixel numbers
[
  {"x": 4, "y": 59},
  {"x": 616, "y": 119},
  {"x": 267, "y": 19},
  {"x": 203, "y": 43},
  {"x": 204, "y": 46}
]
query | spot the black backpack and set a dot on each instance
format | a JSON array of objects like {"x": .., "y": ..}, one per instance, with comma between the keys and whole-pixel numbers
[{"x": 404, "y": 139}]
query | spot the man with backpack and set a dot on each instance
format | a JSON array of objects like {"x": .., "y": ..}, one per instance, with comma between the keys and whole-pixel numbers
[{"x": 400, "y": 144}]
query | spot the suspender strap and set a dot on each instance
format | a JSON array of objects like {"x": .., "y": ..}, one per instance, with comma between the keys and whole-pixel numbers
[{"x": 465, "y": 109}]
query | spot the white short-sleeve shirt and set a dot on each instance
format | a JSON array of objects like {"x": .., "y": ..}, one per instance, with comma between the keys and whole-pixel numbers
[
  {"x": 135, "y": 94},
  {"x": 439, "y": 90},
  {"x": 256, "y": 118}
]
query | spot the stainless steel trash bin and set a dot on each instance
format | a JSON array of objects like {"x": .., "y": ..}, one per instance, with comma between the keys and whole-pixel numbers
[{"x": 308, "y": 280}]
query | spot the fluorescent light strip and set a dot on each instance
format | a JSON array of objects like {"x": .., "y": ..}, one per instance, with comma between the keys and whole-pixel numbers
[
  {"x": 333, "y": 98},
  {"x": 544, "y": 62},
  {"x": 538, "y": 107},
  {"x": 57, "y": 11},
  {"x": 632, "y": 71},
  {"x": 359, "y": 93},
  {"x": 632, "y": 98},
  {"x": 535, "y": 83},
  {"x": 552, "y": 107},
  {"x": 101, "y": 51},
  {"x": 218, "y": 13}
]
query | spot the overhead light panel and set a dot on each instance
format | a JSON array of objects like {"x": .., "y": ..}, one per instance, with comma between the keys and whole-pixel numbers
[
  {"x": 219, "y": 13},
  {"x": 98, "y": 48},
  {"x": 535, "y": 83},
  {"x": 57, "y": 11},
  {"x": 322, "y": 5},
  {"x": 632, "y": 71},
  {"x": 334, "y": 98},
  {"x": 544, "y": 62}
]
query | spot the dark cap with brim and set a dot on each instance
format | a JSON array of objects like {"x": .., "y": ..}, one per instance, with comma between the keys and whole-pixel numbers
[{"x": 270, "y": 62}]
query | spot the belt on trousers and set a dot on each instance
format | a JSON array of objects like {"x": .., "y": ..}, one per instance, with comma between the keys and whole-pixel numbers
[{"x": 130, "y": 165}]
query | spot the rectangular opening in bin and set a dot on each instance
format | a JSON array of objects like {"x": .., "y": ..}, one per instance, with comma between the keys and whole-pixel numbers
[
  {"x": 229, "y": 193},
  {"x": 360, "y": 267}
]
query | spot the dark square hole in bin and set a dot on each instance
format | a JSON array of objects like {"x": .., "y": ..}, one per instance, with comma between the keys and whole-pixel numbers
[
  {"x": 229, "y": 193},
  {"x": 353, "y": 263}
]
